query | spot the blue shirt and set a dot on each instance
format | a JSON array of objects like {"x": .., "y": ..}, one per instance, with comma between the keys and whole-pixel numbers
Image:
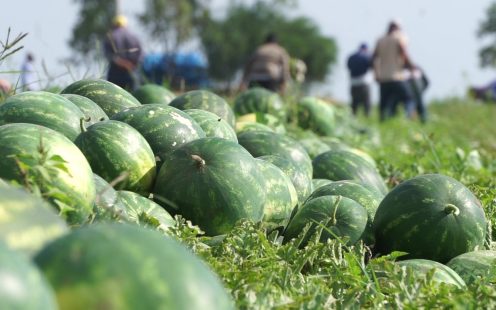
[{"x": 359, "y": 63}]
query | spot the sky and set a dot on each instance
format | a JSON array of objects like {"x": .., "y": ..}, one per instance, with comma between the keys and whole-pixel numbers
[{"x": 442, "y": 37}]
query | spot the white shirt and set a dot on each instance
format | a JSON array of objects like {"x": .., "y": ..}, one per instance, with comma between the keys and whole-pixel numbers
[{"x": 29, "y": 80}]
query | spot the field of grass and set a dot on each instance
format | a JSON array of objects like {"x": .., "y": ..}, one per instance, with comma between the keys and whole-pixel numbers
[{"x": 262, "y": 273}]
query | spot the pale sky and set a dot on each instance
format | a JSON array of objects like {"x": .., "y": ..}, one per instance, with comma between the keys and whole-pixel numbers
[{"x": 442, "y": 37}]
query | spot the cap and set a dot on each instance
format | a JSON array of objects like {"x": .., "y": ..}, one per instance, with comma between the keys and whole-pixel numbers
[{"x": 120, "y": 21}]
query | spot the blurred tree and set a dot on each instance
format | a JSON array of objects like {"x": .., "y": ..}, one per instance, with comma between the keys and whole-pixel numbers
[
  {"x": 487, "y": 28},
  {"x": 95, "y": 18},
  {"x": 227, "y": 51}
]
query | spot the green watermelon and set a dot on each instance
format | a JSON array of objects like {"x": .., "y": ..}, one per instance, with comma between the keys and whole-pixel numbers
[
  {"x": 316, "y": 115},
  {"x": 113, "y": 148},
  {"x": 22, "y": 285},
  {"x": 213, "y": 182},
  {"x": 122, "y": 266},
  {"x": 205, "y": 100},
  {"x": 251, "y": 126},
  {"x": 367, "y": 198},
  {"x": 152, "y": 93},
  {"x": 314, "y": 146},
  {"x": 473, "y": 265},
  {"x": 341, "y": 216},
  {"x": 45, "y": 109},
  {"x": 269, "y": 120},
  {"x": 318, "y": 183},
  {"x": 442, "y": 273},
  {"x": 212, "y": 125},
  {"x": 107, "y": 205},
  {"x": 280, "y": 194},
  {"x": 75, "y": 182},
  {"x": 141, "y": 209},
  {"x": 261, "y": 100},
  {"x": 260, "y": 143},
  {"x": 300, "y": 179},
  {"x": 431, "y": 216},
  {"x": 110, "y": 97},
  {"x": 344, "y": 165},
  {"x": 92, "y": 112},
  {"x": 26, "y": 221},
  {"x": 164, "y": 127}
]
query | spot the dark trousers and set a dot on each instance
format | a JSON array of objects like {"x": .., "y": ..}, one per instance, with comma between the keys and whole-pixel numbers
[
  {"x": 360, "y": 95},
  {"x": 272, "y": 85},
  {"x": 392, "y": 93},
  {"x": 121, "y": 77}
]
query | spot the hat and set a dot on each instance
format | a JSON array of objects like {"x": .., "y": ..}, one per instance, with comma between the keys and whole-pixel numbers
[
  {"x": 363, "y": 46},
  {"x": 120, "y": 21}
]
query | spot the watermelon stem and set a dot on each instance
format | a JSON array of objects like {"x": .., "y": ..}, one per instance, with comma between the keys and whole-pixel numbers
[
  {"x": 451, "y": 209},
  {"x": 200, "y": 163},
  {"x": 82, "y": 120}
]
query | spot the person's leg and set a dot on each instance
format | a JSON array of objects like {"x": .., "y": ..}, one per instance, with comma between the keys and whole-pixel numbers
[
  {"x": 383, "y": 92},
  {"x": 405, "y": 95},
  {"x": 354, "y": 100},
  {"x": 366, "y": 99}
]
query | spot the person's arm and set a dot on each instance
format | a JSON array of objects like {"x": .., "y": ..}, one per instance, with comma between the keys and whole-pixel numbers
[
  {"x": 286, "y": 75},
  {"x": 403, "y": 53},
  {"x": 373, "y": 62}
]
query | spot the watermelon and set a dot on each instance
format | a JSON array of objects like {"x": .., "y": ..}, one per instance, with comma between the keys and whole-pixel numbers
[
  {"x": 113, "y": 148},
  {"x": 75, "y": 182},
  {"x": 314, "y": 146},
  {"x": 280, "y": 194},
  {"x": 45, "y": 109},
  {"x": 205, "y": 100},
  {"x": 441, "y": 273},
  {"x": 300, "y": 179},
  {"x": 367, "y": 198},
  {"x": 152, "y": 93},
  {"x": 344, "y": 165},
  {"x": 122, "y": 266},
  {"x": 212, "y": 182},
  {"x": 269, "y": 120},
  {"x": 318, "y": 183},
  {"x": 341, "y": 216},
  {"x": 251, "y": 126},
  {"x": 212, "y": 125},
  {"x": 92, "y": 112},
  {"x": 260, "y": 143},
  {"x": 107, "y": 206},
  {"x": 110, "y": 97},
  {"x": 141, "y": 209},
  {"x": 316, "y": 115},
  {"x": 165, "y": 128},
  {"x": 475, "y": 264},
  {"x": 260, "y": 100},
  {"x": 22, "y": 285},
  {"x": 431, "y": 216},
  {"x": 27, "y": 222}
]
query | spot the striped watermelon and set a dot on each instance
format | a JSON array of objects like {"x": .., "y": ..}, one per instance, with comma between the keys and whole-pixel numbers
[
  {"x": 107, "y": 205},
  {"x": 431, "y": 216},
  {"x": 342, "y": 217},
  {"x": 110, "y": 97},
  {"x": 45, "y": 109},
  {"x": 475, "y": 264},
  {"x": 164, "y": 127},
  {"x": 269, "y": 120},
  {"x": 205, "y": 100},
  {"x": 314, "y": 146},
  {"x": 76, "y": 182},
  {"x": 261, "y": 100},
  {"x": 251, "y": 126},
  {"x": 318, "y": 183},
  {"x": 343, "y": 165},
  {"x": 280, "y": 194},
  {"x": 260, "y": 143},
  {"x": 300, "y": 179},
  {"x": 113, "y": 148},
  {"x": 367, "y": 198},
  {"x": 213, "y": 182},
  {"x": 152, "y": 93},
  {"x": 212, "y": 125},
  {"x": 442, "y": 273},
  {"x": 92, "y": 112},
  {"x": 316, "y": 115},
  {"x": 27, "y": 222},
  {"x": 122, "y": 266},
  {"x": 22, "y": 285},
  {"x": 141, "y": 209}
]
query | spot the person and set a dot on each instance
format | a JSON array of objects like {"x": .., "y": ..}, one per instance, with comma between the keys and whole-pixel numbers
[
  {"x": 28, "y": 73},
  {"x": 418, "y": 82},
  {"x": 358, "y": 65},
  {"x": 389, "y": 59},
  {"x": 124, "y": 53},
  {"x": 268, "y": 67},
  {"x": 486, "y": 93}
]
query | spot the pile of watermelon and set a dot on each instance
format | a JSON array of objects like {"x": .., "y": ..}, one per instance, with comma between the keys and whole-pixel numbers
[{"x": 94, "y": 178}]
